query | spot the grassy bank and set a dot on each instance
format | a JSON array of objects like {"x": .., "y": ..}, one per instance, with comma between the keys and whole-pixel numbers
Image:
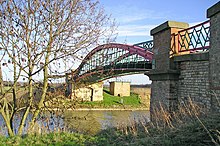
[
  {"x": 57, "y": 101},
  {"x": 203, "y": 132},
  {"x": 110, "y": 101}
]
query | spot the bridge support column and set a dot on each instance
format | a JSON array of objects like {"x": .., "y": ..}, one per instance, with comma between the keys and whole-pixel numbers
[
  {"x": 164, "y": 76},
  {"x": 214, "y": 55}
]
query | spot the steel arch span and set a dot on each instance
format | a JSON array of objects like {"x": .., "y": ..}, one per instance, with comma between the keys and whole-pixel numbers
[{"x": 111, "y": 60}]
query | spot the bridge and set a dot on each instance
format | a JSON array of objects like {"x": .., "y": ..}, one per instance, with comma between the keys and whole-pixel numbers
[
  {"x": 182, "y": 62},
  {"x": 110, "y": 60},
  {"x": 114, "y": 59}
]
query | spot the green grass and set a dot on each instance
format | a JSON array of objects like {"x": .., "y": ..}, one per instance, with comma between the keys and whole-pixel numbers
[
  {"x": 50, "y": 139},
  {"x": 114, "y": 101}
]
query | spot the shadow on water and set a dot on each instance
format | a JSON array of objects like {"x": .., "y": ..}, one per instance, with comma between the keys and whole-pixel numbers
[{"x": 89, "y": 122}]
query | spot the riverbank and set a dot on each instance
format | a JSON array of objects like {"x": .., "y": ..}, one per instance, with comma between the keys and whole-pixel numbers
[
  {"x": 100, "y": 109},
  {"x": 203, "y": 131},
  {"x": 110, "y": 109},
  {"x": 109, "y": 103}
]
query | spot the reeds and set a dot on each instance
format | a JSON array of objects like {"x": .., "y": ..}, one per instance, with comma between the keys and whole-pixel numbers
[{"x": 188, "y": 112}]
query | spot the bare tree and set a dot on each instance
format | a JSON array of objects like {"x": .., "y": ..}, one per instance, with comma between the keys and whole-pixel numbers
[{"x": 36, "y": 36}]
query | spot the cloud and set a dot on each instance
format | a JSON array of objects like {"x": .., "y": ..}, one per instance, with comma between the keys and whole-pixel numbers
[
  {"x": 140, "y": 30},
  {"x": 134, "y": 30},
  {"x": 131, "y": 14},
  {"x": 135, "y": 21},
  {"x": 144, "y": 15}
]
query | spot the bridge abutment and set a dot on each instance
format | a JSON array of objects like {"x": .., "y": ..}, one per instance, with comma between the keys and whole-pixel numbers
[
  {"x": 189, "y": 74},
  {"x": 164, "y": 75}
]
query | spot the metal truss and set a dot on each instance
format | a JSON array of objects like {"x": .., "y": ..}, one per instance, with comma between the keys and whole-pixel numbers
[{"x": 110, "y": 60}]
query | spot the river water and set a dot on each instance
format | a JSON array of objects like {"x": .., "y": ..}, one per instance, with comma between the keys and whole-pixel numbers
[{"x": 90, "y": 122}]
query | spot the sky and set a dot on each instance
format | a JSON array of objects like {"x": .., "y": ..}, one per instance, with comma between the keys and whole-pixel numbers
[{"x": 135, "y": 19}]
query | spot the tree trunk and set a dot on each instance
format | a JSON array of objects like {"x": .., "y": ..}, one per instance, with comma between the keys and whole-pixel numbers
[
  {"x": 45, "y": 82},
  {"x": 25, "y": 115},
  {"x": 8, "y": 125},
  {"x": 14, "y": 94},
  {"x": 6, "y": 116},
  {"x": 30, "y": 86},
  {"x": 44, "y": 91}
]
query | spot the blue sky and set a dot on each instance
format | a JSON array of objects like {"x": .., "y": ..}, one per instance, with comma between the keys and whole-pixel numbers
[{"x": 135, "y": 19}]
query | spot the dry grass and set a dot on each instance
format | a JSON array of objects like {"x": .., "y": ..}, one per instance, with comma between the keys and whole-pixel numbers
[{"x": 190, "y": 125}]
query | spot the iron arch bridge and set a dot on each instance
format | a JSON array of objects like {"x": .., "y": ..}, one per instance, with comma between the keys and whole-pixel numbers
[{"x": 111, "y": 60}]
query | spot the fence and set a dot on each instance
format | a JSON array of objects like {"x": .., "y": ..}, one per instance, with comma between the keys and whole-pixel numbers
[{"x": 194, "y": 39}]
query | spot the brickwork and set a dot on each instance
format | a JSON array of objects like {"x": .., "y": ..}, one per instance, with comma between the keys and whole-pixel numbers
[
  {"x": 162, "y": 43},
  {"x": 194, "y": 82},
  {"x": 214, "y": 54},
  {"x": 215, "y": 50},
  {"x": 162, "y": 60},
  {"x": 158, "y": 86}
]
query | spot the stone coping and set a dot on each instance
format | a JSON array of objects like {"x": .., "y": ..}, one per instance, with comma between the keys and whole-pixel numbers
[
  {"x": 160, "y": 75},
  {"x": 213, "y": 10},
  {"x": 192, "y": 57},
  {"x": 169, "y": 24},
  {"x": 168, "y": 71}
]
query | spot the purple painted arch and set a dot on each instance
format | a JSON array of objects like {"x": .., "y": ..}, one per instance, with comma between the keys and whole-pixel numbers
[{"x": 132, "y": 49}]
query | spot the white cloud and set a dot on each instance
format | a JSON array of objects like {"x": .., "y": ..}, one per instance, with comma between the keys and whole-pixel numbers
[
  {"x": 134, "y": 30},
  {"x": 140, "y": 30},
  {"x": 129, "y": 14},
  {"x": 134, "y": 21}
]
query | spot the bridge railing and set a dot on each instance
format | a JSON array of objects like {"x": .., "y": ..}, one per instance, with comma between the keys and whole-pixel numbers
[
  {"x": 193, "y": 39},
  {"x": 148, "y": 45}
]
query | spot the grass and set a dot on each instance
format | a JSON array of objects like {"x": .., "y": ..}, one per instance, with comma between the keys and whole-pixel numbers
[
  {"x": 56, "y": 100},
  {"x": 110, "y": 101},
  {"x": 47, "y": 139},
  {"x": 189, "y": 133}
]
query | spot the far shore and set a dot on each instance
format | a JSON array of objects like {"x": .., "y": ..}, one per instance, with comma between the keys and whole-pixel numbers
[
  {"x": 110, "y": 109},
  {"x": 102, "y": 109}
]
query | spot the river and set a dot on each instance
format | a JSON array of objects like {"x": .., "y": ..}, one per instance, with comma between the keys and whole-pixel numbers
[{"x": 90, "y": 121}]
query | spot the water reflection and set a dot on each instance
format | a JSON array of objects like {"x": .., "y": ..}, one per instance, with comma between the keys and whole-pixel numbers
[
  {"x": 94, "y": 121},
  {"x": 90, "y": 122}
]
